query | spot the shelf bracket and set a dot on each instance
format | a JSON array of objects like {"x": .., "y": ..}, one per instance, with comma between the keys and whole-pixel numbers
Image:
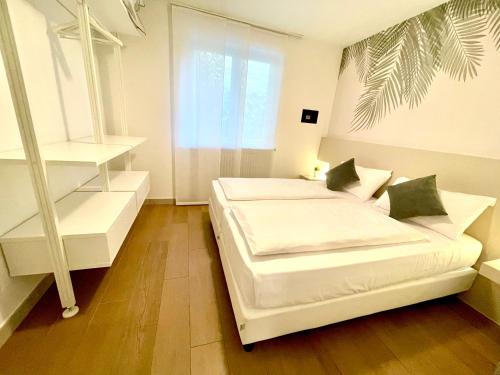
[{"x": 36, "y": 164}]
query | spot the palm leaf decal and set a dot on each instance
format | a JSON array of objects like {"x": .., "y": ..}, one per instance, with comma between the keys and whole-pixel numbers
[
  {"x": 361, "y": 58},
  {"x": 397, "y": 66},
  {"x": 462, "y": 49},
  {"x": 382, "y": 90},
  {"x": 419, "y": 73},
  {"x": 358, "y": 53},
  {"x": 345, "y": 60},
  {"x": 432, "y": 23},
  {"x": 466, "y": 9},
  {"x": 494, "y": 24}
]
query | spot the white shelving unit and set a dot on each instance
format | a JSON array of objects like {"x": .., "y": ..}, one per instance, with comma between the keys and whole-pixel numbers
[
  {"x": 86, "y": 228},
  {"x": 89, "y": 240},
  {"x": 131, "y": 181}
]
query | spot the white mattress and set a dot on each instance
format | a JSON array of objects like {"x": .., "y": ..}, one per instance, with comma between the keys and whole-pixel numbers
[{"x": 291, "y": 279}]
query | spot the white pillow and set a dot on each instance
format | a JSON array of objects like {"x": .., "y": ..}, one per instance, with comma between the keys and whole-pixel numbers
[
  {"x": 370, "y": 180},
  {"x": 463, "y": 209}
]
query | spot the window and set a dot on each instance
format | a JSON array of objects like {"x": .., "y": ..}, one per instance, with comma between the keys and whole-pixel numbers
[{"x": 250, "y": 99}]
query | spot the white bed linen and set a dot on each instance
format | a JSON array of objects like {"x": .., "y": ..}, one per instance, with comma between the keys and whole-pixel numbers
[
  {"x": 250, "y": 189},
  {"x": 218, "y": 200},
  {"x": 292, "y": 279},
  {"x": 294, "y": 226},
  {"x": 219, "y": 203}
]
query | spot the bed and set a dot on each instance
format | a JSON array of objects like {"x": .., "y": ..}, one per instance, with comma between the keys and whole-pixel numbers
[{"x": 274, "y": 295}]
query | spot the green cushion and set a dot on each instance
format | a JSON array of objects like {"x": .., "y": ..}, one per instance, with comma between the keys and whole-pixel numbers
[
  {"x": 417, "y": 197},
  {"x": 341, "y": 176}
]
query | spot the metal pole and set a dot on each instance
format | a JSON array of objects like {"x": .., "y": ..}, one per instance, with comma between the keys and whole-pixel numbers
[
  {"x": 92, "y": 83},
  {"x": 238, "y": 20},
  {"x": 35, "y": 163},
  {"x": 117, "y": 51}
]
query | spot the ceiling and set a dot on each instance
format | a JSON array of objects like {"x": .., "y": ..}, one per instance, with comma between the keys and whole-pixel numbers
[{"x": 340, "y": 22}]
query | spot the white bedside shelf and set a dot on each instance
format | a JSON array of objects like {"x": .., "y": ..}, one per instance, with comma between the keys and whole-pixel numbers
[
  {"x": 71, "y": 153},
  {"x": 93, "y": 226},
  {"x": 134, "y": 181},
  {"x": 115, "y": 140},
  {"x": 491, "y": 270}
]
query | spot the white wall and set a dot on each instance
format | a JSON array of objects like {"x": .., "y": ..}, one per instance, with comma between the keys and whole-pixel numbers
[
  {"x": 146, "y": 68},
  {"x": 55, "y": 82},
  {"x": 309, "y": 80}
]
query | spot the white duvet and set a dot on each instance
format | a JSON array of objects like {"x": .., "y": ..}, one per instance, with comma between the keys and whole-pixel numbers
[
  {"x": 276, "y": 227},
  {"x": 249, "y": 189}
]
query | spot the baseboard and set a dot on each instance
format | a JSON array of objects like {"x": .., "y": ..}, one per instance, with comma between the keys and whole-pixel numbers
[
  {"x": 170, "y": 201},
  {"x": 15, "y": 319}
]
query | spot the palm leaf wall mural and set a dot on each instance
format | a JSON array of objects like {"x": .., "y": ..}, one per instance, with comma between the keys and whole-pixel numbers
[{"x": 397, "y": 66}]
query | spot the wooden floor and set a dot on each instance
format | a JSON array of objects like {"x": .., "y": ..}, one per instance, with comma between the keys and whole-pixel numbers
[{"x": 163, "y": 308}]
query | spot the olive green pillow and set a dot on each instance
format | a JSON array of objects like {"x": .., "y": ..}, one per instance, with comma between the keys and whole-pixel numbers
[
  {"x": 417, "y": 197},
  {"x": 342, "y": 175}
]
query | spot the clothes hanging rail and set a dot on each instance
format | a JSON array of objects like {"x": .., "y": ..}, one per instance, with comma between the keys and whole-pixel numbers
[
  {"x": 82, "y": 29},
  {"x": 242, "y": 21}
]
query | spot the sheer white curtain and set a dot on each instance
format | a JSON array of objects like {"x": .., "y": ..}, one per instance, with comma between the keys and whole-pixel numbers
[{"x": 227, "y": 80}]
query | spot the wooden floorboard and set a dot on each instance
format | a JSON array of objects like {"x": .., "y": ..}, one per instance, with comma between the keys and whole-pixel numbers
[
  {"x": 163, "y": 308},
  {"x": 203, "y": 311},
  {"x": 178, "y": 256},
  {"x": 172, "y": 350},
  {"x": 208, "y": 359}
]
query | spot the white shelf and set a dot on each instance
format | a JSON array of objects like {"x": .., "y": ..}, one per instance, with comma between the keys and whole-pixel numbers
[
  {"x": 491, "y": 270},
  {"x": 72, "y": 153},
  {"x": 114, "y": 140},
  {"x": 134, "y": 181},
  {"x": 93, "y": 226}
]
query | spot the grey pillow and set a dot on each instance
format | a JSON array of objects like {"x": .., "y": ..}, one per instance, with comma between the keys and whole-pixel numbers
[
  {"x": 418, "y": 197},
  {"x": 341, "y": 176}
]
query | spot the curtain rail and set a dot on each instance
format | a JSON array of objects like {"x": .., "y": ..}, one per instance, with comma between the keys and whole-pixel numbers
[{"x": 248, "y": 23}]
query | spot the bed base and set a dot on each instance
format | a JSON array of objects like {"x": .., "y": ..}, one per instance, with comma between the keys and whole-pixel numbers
[{"x": 261, "y": 324}]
